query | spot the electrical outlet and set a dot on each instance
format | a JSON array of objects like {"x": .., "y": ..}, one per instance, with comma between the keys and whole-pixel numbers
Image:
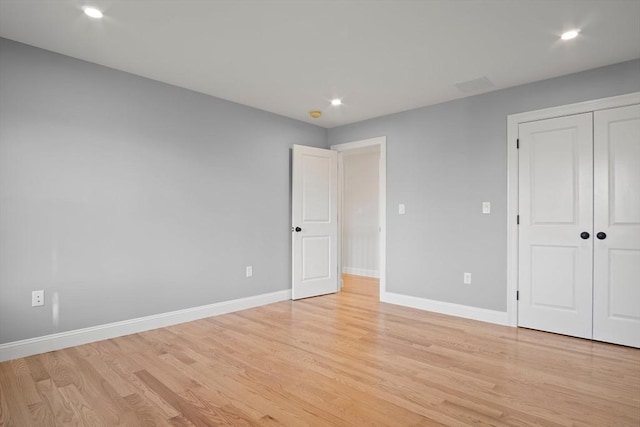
[
  {"x": 249, "y": 270},
  {"x": 37, "y": 298},
  {"x": 486, "y": 207},
  {"x": 401, "y": 210},
  {"x": 467, "y": 278}
]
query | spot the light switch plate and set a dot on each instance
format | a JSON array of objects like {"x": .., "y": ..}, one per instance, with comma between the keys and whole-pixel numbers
[
  {"x": 486, "y": 207},
  {"x": 401, "y": 209}
]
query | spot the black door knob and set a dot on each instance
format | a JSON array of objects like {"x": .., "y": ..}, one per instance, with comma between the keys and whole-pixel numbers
[
  {"x": 601, "y": 235},
  {"x": 298, "y": 229},
  {"x": 584, "y": 235}
]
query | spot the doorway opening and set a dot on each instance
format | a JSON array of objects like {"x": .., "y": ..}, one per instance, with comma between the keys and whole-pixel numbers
[{"x": 362, "y": 214}]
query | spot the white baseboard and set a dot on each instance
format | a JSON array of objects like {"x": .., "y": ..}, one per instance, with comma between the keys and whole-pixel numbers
[
  {"x": 361, "y": 272},
  {"x": 468, "y": 312},
  {"x": 31, "y": 346}
]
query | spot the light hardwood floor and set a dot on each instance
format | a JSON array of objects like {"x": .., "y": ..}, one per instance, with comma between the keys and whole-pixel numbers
[{"x": 342, "y": 359}]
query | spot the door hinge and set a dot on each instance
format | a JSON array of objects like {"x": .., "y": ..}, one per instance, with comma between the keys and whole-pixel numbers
[
  {"x": 517, "y": 295},
  {"x": 517, "y": 219},
  {"x": 518, "y": 143}
]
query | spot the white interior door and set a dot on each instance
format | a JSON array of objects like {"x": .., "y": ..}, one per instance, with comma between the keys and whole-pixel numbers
[
  {"x": 315, "y": 222},
  {"x": 556, "y": 208},
  {"x": 616, "y": 286}
]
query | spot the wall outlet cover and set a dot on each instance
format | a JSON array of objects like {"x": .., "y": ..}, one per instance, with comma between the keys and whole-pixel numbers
[
  {"x": 37, "y": 298},
  {"x": 467, "y": 278}
]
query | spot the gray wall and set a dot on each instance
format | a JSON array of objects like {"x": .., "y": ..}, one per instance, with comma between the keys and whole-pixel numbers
[
  {"x": 443, "y": 161},
  {"x": 128, "y": 197}
]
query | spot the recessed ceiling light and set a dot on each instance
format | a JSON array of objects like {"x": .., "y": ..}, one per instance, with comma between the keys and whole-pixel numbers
[
  {"x": 93, "y": 12},
  {"x": 336, "y": 102},
  {"x": 572, "y": 34}
]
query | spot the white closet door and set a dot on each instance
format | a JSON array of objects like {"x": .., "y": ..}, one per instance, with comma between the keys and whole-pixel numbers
[
  {"x": 556, "y": 207},
  {"x": 616, "y": 287}
]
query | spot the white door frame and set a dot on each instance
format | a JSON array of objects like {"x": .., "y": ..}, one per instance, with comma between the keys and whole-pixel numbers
[
  {"x": 513, "y": 121},
  {"x": 382, "y": 200}
]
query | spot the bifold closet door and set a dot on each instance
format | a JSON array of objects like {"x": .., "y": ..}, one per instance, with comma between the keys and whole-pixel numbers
[
  {"x": 556, "y": 221},
  {"x": 616, "y": 269}
]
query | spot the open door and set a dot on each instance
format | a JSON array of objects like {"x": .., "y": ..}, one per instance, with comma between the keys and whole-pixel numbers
[{"x": 314, "y": 226}]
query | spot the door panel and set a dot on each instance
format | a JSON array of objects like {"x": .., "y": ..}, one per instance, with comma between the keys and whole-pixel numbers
[
  {"x": 316, "y": 188},
  {"x": 553, "y": 272},
  {"x": 316, "y": 250},
  {"x": 314, "y": 211},
  {"x": 622, "y": 289},
  {"x": 554, "y": 175},
  {"x": 616, "y": 287},
  {"x": 556, "y": 206}
]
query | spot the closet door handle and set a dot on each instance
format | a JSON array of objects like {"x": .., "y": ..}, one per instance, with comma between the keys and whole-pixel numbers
[
  {"x": 601, "y": 235},
  {"x": 584, "y": 235}
]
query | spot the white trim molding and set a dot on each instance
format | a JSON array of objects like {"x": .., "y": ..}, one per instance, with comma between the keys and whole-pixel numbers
[
  {"x": 361, "y": 272},
  {"x": 513, "y": 121},
  {"x": 31, "y": 346},
  {"x": 451, "y": 309}
]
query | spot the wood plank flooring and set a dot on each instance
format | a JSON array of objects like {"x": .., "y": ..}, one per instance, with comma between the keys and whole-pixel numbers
[{"x": 342, "y": 359}]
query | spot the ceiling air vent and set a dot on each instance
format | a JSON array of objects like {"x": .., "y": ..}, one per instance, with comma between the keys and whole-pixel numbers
[{"x": 475, "y": 85}]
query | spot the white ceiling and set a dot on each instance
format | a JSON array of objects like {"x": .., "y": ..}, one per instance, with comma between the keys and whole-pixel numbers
[{"x": 290, "y": 57}]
